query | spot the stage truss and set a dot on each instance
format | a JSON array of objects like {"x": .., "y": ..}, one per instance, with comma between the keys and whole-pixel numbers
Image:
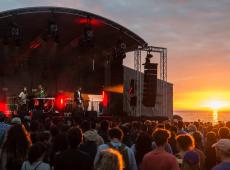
[{"x": 163, "y": 77}]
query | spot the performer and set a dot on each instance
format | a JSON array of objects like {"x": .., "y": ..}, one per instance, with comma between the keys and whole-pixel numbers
[
  {"x": 23, "y": 96},
  {"x": 23, "y": 101},
  {"x": 78, "y": 98},
  {"x": 41, "y": 92}
]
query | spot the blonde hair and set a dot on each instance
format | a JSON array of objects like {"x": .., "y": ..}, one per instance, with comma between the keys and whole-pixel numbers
[{"x": 110, "y": 159}]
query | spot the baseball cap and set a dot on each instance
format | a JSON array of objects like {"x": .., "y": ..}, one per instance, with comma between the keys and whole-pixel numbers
[{"x": 223, "y": 145}]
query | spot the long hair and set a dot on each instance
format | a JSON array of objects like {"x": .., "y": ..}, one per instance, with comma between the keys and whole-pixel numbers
[
  {"x": 17, "y": 142},
  {"x": 109, "y": 159},
  {"x": 143, "y": 145}
]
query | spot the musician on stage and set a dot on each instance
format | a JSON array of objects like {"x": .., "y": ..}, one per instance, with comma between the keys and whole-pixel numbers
[
  {"x": 23, "y": 96},
  {"x": 41, "y": 94},
  {"x": 23, "y": 101},
  {"x": 78, "y": 98}
]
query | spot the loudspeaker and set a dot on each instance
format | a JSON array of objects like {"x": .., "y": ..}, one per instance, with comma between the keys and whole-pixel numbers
[{"x": 150, "y": 85}]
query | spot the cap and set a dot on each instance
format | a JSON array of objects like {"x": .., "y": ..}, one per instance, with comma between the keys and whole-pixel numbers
[
  {"x": 16, "y": 120},
  {"x": 223, "y": 145}
]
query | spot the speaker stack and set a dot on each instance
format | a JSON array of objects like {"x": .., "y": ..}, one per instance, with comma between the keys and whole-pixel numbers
[{"x": 150, "y": 85}]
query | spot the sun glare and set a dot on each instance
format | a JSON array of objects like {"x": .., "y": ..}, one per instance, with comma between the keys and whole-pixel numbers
[{"x": 215, "y": 105}]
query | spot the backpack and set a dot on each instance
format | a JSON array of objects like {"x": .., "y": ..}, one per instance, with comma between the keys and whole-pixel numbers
[{"x": 124, "y": 152}]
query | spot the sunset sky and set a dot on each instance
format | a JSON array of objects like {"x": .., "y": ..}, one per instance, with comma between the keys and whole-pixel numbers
[{"x": 195, "y": 32}]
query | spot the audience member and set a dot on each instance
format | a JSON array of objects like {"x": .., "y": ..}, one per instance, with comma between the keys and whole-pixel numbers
[
  {"x": 190, "y": 161},
  {"x": 15, "y": 148},
  {"x": 143, "y": 145},
  {"x": 223, "y": 133},
  {"x": 35, "y": 158},
  {"x": 209, "y": 151},
  {"x": 104, "y": 131},
  {"x": 198, "y": 138},
  {"x": 223, "y": 151},
  {"x": 159, "y": 158},
  {"x": 3, "y": 127},
  {"x": 109, "y": 159},
  {"x": 185, "y": 143},
  {"x": 116, "y": 136},
  {"x": 73, "y": 158}
]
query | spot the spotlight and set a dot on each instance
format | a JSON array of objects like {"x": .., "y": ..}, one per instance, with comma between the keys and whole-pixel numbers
[
  {"x": 53, "y": 28},
  {"x": 88, "y": 34},
  {"x": 13, "y": 34},
  {"x": 119, "y": 50},
  {"x": 51, "y": 32}
]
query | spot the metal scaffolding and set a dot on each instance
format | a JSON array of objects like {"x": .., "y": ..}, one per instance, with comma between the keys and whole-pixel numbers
[
  {"x": 163, "y": 77},
  {"x": 137, "y": 67}
]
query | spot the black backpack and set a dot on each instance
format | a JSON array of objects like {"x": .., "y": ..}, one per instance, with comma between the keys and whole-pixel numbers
[{"x": 124, "y": 152}]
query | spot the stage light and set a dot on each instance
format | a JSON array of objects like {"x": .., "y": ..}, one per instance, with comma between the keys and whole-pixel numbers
[
  {"x": 53, "y": 28},
  {"x": 88, "y": 34},
  {"x": 104, "y": 99},
  {"x": 51, "y": 32},
  {"x": 59, "y": 102},
  {"x": 88, "y": 20},
  {"x": 119, "y": 50},
  {"x": 13, "y": 34},
  {"x": 15, "y": 31},
  {"x": 4, "y": 109}
]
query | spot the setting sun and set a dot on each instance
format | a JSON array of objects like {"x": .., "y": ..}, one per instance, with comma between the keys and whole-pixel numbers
[
  {"x": 215, "y": 105},
  {"x": 202, "y": 100}
]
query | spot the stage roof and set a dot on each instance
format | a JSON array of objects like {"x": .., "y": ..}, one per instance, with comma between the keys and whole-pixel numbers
[
  {"x": 38, "y": 57},
  {"x": 33, "y": 22}
]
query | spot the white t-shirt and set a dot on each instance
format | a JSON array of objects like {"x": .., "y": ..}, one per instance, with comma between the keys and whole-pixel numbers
[
  {"x": 22, "y": 97},
  {"x": 35, "y": 166}
]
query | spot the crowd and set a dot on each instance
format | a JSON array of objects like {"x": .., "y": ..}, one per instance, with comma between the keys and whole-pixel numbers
[{"x": 78, "y": 144}]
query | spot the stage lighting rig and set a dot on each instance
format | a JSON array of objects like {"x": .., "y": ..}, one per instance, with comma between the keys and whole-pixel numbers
[
  {"x": 53, "y": 28},
  {"x": 120, "y": 48},
  {"x": 88, "y": 34},
  {"x": 51, "y": 32},
  {"x": 13, "y": 34}
]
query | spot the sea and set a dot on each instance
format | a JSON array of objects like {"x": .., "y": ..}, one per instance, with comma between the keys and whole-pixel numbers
[{"x": 204, "y": 116}]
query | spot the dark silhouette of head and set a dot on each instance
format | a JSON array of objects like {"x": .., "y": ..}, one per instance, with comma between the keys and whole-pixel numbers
[
  {"x": 161, "y": 136},
  {"x": 36, "y": 152},
  {"x": 74, "y": 137},
  {"x": 116, "y": 133}
]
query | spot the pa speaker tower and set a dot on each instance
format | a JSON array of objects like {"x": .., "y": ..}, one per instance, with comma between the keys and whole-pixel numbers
[{"x": 150, "y": 85}]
